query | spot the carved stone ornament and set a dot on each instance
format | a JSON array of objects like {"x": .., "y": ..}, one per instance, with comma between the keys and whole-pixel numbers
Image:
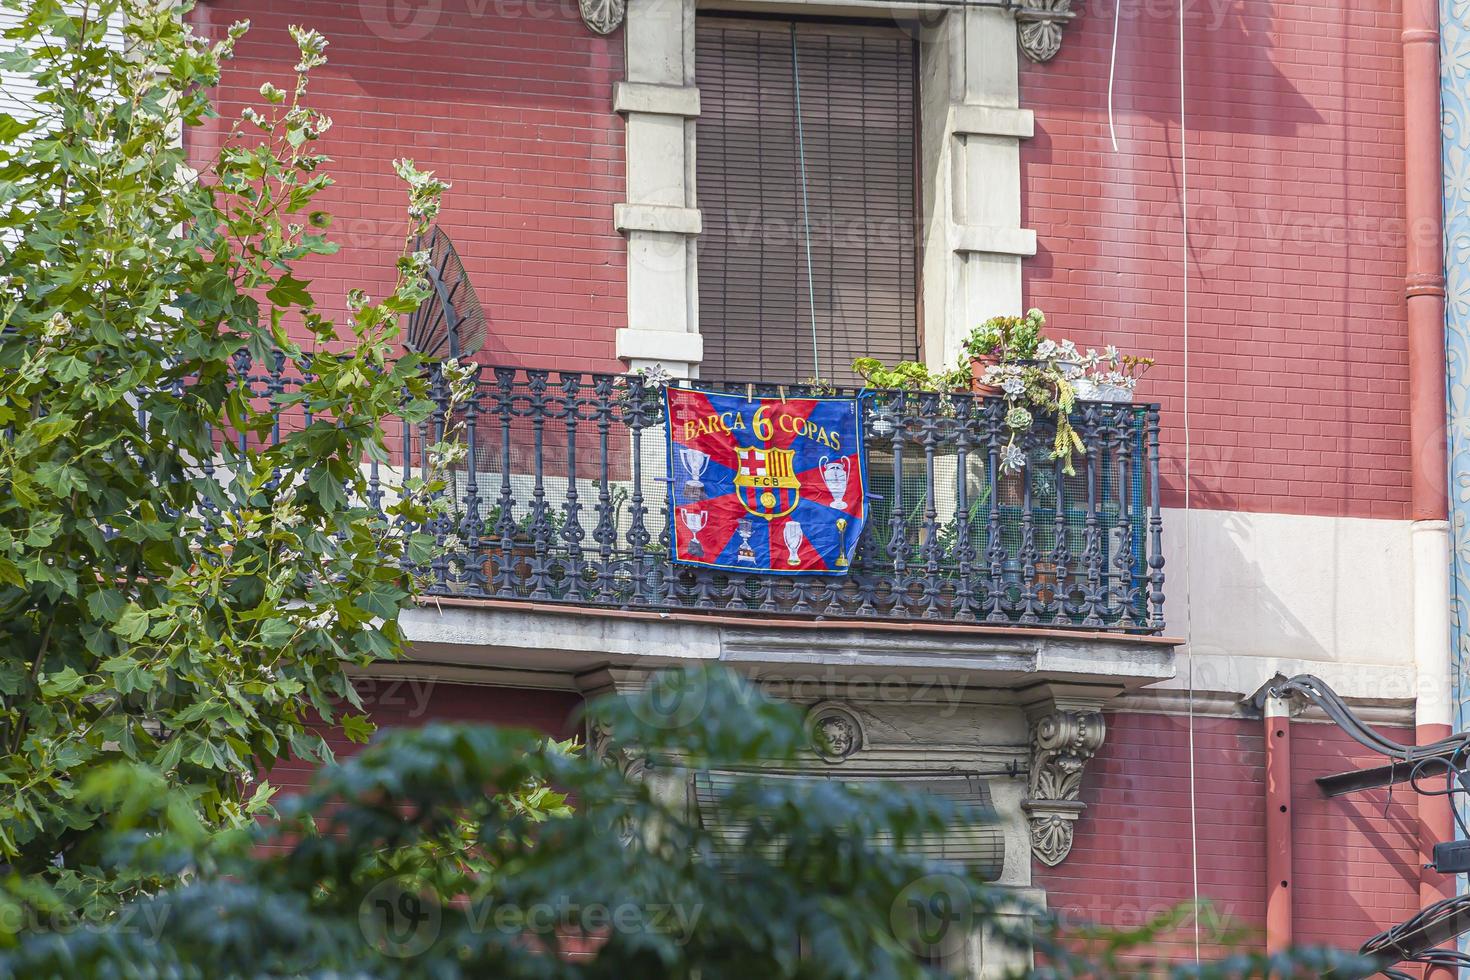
[
  {"x": 1039, "y": 27},
  {"x": 607, "y": 749},
  {"x": 603, "y": 16},
  {"x": 836, "y": 731},
  {"x": 1061, "y": 745},
  {"x": 633, "y": 765}
]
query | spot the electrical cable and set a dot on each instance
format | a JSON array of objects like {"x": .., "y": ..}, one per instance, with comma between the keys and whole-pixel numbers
[
  {"x": 806, "y": 215},
  {"x": 1188, "y": 458},
  {"x": 1112, "y": 68}
]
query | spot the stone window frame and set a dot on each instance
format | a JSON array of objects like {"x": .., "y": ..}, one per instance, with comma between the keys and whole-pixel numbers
[{"x": 971, "y": 128}]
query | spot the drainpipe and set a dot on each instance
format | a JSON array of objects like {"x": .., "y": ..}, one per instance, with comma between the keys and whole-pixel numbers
[
  {"x": 1425, "y": 294},
  {"x": 1276, "y": 716}
]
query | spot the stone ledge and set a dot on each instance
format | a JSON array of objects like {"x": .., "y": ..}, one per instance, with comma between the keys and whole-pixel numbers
[
  {"x": 659, "y": 345},
  {"x": 662, "y": 218},
  {"x": 661, "y": 100},
  {"x": 985, "y": 120},
  {"x": 993, "y": 240}
]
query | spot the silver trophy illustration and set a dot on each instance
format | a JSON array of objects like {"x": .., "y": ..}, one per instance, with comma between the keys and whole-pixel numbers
[
  {"x": 835, "y": 474},
  {"x": 695, "y": 463},
  {"x": 746, "y": 553},
  {"x": 791, "y": 534},
  {"x": 695, "y": 521}
]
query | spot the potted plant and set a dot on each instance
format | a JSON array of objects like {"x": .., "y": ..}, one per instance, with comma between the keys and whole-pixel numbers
[
  {"x": 1041, "y": 385},
  {"x": 908, "y": 376},
  {"x": 1001, "y": 340},
  {"x": 1111, "y": 376}
]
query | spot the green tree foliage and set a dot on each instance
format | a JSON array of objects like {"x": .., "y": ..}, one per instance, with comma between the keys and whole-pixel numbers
[
  {"x": 798, "y": 878},
  {"x": 169, "y": 597}
]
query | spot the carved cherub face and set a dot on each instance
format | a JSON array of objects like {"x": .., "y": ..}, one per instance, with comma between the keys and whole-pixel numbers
[{"x": 838, "y": 734}]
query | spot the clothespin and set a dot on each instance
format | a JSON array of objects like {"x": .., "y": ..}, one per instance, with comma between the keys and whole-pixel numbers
[
  {"x": 749, "y": 392},
  {"x": 781, "y": 390}
]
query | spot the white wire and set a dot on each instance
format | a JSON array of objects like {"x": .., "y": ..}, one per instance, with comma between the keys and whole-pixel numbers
[
  {"x": 1188, "y": 517},
  {"x": 806, "y": 215},
  {"x": 1112, "y": 68}
]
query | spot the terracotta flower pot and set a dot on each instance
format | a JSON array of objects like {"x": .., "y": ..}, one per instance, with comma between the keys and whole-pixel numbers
[{"x": 977, "y": 371}]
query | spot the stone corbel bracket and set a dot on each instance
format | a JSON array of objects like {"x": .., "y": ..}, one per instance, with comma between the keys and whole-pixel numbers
[
  {"x": 1062, "y": 743},
  {"x": 1039, "y": 27}
]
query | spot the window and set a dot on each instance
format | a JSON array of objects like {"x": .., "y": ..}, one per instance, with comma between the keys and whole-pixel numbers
[{"x": 856, "y": 126}]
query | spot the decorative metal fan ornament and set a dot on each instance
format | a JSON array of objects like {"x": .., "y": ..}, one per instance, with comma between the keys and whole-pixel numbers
[{"x": 450, "y": 322}]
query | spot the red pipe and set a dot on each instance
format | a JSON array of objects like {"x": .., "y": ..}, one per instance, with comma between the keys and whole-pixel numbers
[
  {"x": 1278, "y": 825},
  {"x": 1425, "y": 301},
  {"x": 1424, "y": 265}
]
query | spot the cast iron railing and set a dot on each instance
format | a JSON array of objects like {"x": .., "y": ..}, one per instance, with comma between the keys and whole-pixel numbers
[{"x": 564, "y": 499}]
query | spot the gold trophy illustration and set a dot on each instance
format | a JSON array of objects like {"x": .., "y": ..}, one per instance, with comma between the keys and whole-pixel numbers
[{"x": 841, "y": 542}]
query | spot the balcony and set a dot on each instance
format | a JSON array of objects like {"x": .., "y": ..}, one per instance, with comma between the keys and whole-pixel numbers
[{"x": 564, "y": 500}]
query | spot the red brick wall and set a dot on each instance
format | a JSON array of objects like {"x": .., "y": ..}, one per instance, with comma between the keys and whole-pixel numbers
[
  {"x": 1297, "y": 335},
  {"x": 511, "y": 102},
  {"x": 1355, "y": 858},
  {"x": 393, "y": 703}
]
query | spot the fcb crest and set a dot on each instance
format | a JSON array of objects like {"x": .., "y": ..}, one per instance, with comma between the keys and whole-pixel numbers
[
  {"x": 775, "y": 485},
  {"x": 767, "y": 486}
]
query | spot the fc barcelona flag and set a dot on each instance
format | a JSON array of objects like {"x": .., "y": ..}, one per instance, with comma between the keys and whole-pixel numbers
[{"x": 763, "y": 484}]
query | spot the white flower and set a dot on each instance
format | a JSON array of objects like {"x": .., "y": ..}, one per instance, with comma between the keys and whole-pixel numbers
[{"x": 1111, "y": 354}]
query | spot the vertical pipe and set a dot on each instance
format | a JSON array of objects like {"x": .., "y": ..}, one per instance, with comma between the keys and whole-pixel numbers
[
  {"x": 1424, "y": 260},
  {"x": 1277, "y": 720},
  {"x": 1425, "y": 304}
]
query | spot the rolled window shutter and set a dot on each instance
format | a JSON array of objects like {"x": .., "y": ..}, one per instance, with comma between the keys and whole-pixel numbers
[
  {"x": 974, "y": 840},
  {"x": 858, "y": 119}
]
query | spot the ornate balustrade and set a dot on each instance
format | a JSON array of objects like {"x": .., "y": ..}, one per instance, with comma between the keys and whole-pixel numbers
[{"x": 564, "y": 498}]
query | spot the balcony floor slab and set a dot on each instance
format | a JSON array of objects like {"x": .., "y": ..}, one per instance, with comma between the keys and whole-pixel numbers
[{"x": 996, "y": 663}]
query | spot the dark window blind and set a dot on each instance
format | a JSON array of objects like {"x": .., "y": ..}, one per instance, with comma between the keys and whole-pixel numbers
[{"x": 858, "y": 122}]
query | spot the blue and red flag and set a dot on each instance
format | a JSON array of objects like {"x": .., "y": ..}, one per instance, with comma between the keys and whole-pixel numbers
[{"x": 765, "y": 484}]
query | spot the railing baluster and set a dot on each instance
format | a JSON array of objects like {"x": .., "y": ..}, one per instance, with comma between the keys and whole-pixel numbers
[
  {"x": 506, "y": 571},
  {"x": 1092, "y": 552},
  {"x": 1055, "y": 609},
  {"x": 1027, "y": 556},
  {"x": 540, "y": 514},
  {"x": 964, "y": 552},
  {"x": 442, "y": 523},
  {"x": 606, "y": 531},
  {"x": 571, "y": 526},
  {"x": 931, "y": 420},
  {"x": 995, "y": 550},
  {"x": 898, "y": 540},
  {"x": 472, "y": 530},
  {"x": 638, "y": 536},
  {"x": 1155, "y": 526},
  {"x": 1124, "y": 592}
]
